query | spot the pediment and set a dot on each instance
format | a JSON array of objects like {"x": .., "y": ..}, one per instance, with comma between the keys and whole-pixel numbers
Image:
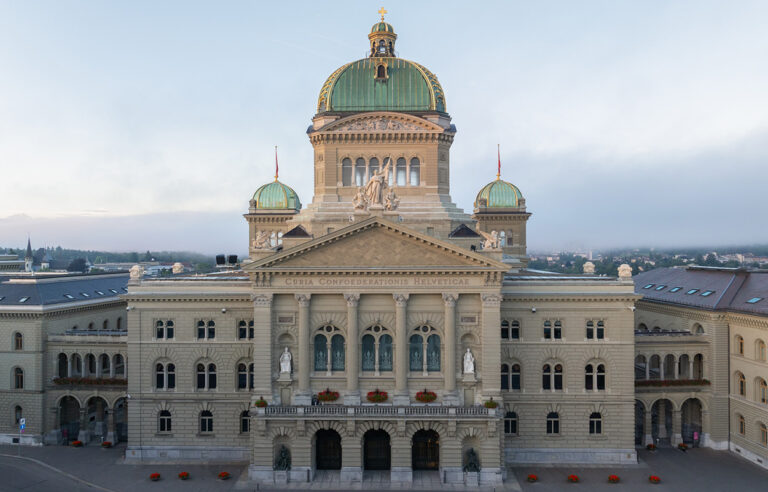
[
  {"x": 382, "y": 122},
  {"x": 377, "y": 245}
]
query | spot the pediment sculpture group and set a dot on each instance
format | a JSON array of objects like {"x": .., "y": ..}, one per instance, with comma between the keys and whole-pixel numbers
[{"x": 377, "y": 192}]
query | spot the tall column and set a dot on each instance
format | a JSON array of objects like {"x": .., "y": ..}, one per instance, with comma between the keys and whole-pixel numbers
[
  {"x": 70, "y": 362},
  {"x": 109, "y": 432},
  {"x": 648, "y": 426},
  {"x": 677, "y": 424},
  {"x": 662, "y": 368},
  {"x": 450, "y": 397},
  {"x": 661, "y": 419},
  {"x": 401, "y": 396},
  {"x": 262, "y": 346},
  {"x": 353, "y": 360},
  {"x": 491, "y": 356},
  {"x": 690, "y": 368},
  {"x": 647, "y": 369},
  {"x": 304, "y": 395}
]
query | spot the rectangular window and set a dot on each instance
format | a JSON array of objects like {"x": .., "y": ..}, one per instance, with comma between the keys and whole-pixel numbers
[
  {"x": 595, "y": 426},
  {"x": 600, "y": 330},
  {"x": 675, "y": 289},
  {"x": 707, "y": 293},
  {"x": 661, "y": 287},
  {"x": 648, "y": 286},
  {"x": 754, "y": 300},
  {"x": 515, "y": 331},
  {"x": 692, "y": 291}
]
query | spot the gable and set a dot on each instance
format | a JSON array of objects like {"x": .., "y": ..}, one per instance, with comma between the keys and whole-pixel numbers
[
  {"x": 382, "y": 122},
  {"x": 375, "y": 245}
]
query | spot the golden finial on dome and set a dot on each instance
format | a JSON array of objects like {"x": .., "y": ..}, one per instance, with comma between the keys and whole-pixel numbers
[{"x": 382, "y": 12}]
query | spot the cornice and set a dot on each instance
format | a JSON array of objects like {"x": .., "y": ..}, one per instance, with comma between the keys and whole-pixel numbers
[
  {"x": 399, "y": 137},
  {"x": 196, "y": 297},
  {"x": 698, "y": 314},
  {"x": 48, "y": 312},
  {"x": 570, "y": 297}
]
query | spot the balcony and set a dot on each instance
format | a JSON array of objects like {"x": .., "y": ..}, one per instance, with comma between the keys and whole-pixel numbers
[
  {"x": 79, "y": 382},
  {"x": 667, "y": 385},
  {"x": 373, "y": 411}
]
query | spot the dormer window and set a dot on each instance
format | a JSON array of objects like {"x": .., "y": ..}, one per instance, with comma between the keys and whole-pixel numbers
[{"x": 381, "y": 72}]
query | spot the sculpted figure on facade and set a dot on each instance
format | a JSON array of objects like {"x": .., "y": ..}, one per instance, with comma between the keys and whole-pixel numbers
[
  {"x": 136, "y": 272},
  {"x": 625, "y": 271},
  {"x": 285, "y": 362},
  {"x": 589, "y": 268},
  {"x": 261, "y": 241},
  {"x": 374, "y": 190},
  {"x": 359, "y": 201},
  {"x": 491, "y": 240},
  {"x": 469, "y": 362},
  {"x": 392, "y": 200}
]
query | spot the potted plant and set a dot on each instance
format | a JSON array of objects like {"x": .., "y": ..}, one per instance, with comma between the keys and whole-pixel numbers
[
  {"x": 491, "y": 403},
  {"x": 154, "y": 477},
  {"x": 654, "y": 479},
  {"x": 682, "y": 447},
  {"x": 573, "y": 478},
  {"x": 532, "y": 478},
  {"x": 77, "y": 444},
  {"x": 261, "y": 402},
  {"x": 106, "y": 444},
  {"x": 426, "y": 396},
  {"x": 377, "y": 396},
  {"x": 328, "y": 395},
  {"x": 651, "y": 447},
  {"x": 184, "y": 475},
  {"x": 224, "y": 476},
  {"x": 613, "y": 479}
]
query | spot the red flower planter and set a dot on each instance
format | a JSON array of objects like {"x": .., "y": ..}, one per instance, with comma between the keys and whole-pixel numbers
[
  {"x": 613, "y": 479},
  {"x": 426, "y": 396},
  {"x": 377, "y": 396},
  {"x": 654, "y": 479},
  {"x": 328, "y": 395},
  {"x": 573, "y": 478},
  {"x": 154, "y": 477}
]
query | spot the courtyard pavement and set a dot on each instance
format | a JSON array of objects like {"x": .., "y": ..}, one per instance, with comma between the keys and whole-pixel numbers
[{"x": 67, "y": 469}]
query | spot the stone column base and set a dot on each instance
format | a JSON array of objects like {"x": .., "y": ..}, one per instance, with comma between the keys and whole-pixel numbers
[
  {"x": 351, "y": 474},
  {"x": 676, "y": 439},
  {"x": 452, "y": 474},
  {"x": 304, "y": 399},
  {"x": 352, "y": 398},
  {"x": 648, "y": 439},
  {"x": 451, "y": 399},
  {"x": 472, "y": 479},
  {"x": 401, "y": 474},
  {"x": 401, "y": 400},
  {"x": 84, "y": 436},
  {"x": 110, "y": 437}
]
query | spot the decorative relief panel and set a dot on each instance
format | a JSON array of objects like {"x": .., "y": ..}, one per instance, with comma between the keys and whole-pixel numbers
[{"x": 379, "y": 125}]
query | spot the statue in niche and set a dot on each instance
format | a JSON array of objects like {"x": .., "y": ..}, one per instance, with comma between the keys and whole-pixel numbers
[
  {"x": 283, "y": 461},
  {"x": 473, "y": 461},
  {"x": 374, "y": 189},
  {"x": 469, "y": 362},
  {"x": 392, "y": 200},
  {"x": 285, "y": 362},
  {"x": 261, "y": 241},
  {"x": 359, "y": 201},
  {"x": 491, "y": 240}
]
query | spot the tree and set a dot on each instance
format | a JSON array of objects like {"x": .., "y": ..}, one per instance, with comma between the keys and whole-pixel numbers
[
  {"x": 147, "y": 256},
  {"x": 77, "y": 265}
]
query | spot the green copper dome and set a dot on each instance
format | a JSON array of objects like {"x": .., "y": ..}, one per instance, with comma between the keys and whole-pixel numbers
[
  {"x": 499, "y": 194},
  {"x": 357, "y": 86},
  {"x": 276, "y": 195},
  {"x": 382, "y": 27}
]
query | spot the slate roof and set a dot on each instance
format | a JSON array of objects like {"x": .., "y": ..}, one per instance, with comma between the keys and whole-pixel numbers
[
  {"x": 57, "y": 289},
  {"x": 730, "y": 288}
]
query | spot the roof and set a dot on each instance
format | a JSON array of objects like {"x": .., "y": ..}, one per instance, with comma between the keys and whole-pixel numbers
[
  {"x": 706, "y": 288},
  {"x": 276, "y": 195},
  {"x": 463, "y": 231},
  {"x": 382, "y": 27},
  {"x": 498, "y": 194},
  {"x": 355, "y": 87},
  {"x": 22, "y": 291}
]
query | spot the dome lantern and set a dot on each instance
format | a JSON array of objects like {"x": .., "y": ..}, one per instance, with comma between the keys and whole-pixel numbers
[{"x": 382, "y": 38}]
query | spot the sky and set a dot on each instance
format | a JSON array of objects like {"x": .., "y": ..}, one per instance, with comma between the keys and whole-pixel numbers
[{"x": 148, "y": 125}]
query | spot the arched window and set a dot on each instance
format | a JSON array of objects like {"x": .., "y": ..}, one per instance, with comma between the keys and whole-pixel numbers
[
  {"x": 742, "y": 425},
  {"x": 400, "y": 177},
  {"x": 558, "y": 330},
  {"x": 159, "y": 329},
  {"x": 595, "y": 423},
  {"x": 385, "y": 353},
  {"x": 590, "y": 330},
  {"x": 547, "y": 330},
  {"x": 346, "y": 172},
  {"x": 171, "y": 375},
  {"x": 160, "y": 376},
  {"x": 104, "y": 361},
  {"x": 640, "y": 366},
  {"x": 515, "y": 376},
  {"x": 211, "y": 329},
  {"x": 416, "y": 352},
  {"x": 739, "y": 342},
  {"x": 741, "y": 384},
  {"x": 698, "y": 367},
  {"x": 698, "y": 329},
  {"x": 201, "y": 330},
  {"x": 242, "y": 376},
  {"x": 433, "y": 353},
  {"x": 63, "y": 364},
  {"x": 373, "y": 166},
  {"x": 119, "y": 325},
  {"x": 18, "y": 378},
  {"x": 414, "y": 172},
  {"x": 242, "y": 330},
  {"x": 18, "y": 341},
  {"x": 553, "y": 423},
  {"x": 654, "y": 367},
  {"x": 77, "y": 365},
  {"x": 164, "y": 421},
  {"x": 505, "y": 330},
  {"x": 589, "y": 375},
  {"x": 759, "y": 350},
  {"x": 17, "y": 414},
  {"x": 165, "y": 376},
  {"x": 546, "y": 377},
  {"x": 211, "y": 376},
  {"x": 510, "y": 424},
  {"x": 251, "y": 329},
  {"x": 250, "y": 376},
  {"x": 360, "y": 178},
  {"x": 206, "y": 421},
  {"x": 600, "y": 377},
  {"x": 515, "y": 330},
  {"x": 90, "y": 364},
  {"x": 642, "y": 327},
  {"x": 321, "y": 353},
  {"x": 105, "y": 325},
  {"x": 337, "y": 353},
  {"x": 245, "y": 422},
  {"x": 90, "y": 326},
  {"x": 558, "y": 377},
  {"x": 600, "y": 330},
  {"x": 504, "y": 377},
  {"x": 763, "y": 434},
  {"x": 201, "y": 376},
  {"x": 762, "y": 391},
  {"x": 169, "y": 329},
  {"x": 369, "y": 353},
  {"x": 119, "y": 363}
]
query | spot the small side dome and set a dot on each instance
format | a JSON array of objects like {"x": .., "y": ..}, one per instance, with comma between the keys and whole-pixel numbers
[
  {"x": 499, "y": 194},
  {"x": 382, "y": 27},
  {"x": 276, "y": 196}
]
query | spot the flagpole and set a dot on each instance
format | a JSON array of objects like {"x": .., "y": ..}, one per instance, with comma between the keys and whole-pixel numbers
[
  {"x": 498, "y": 151},
  {"x": 276, "y": 166}
]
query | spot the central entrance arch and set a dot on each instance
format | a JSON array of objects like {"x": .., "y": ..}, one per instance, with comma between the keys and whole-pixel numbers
[
  {"x": 69, "y": 419},
  {"x": 425, "y": 450},
  {"x": 376, "y": 450},
  {"x": 328, "y": 450}
]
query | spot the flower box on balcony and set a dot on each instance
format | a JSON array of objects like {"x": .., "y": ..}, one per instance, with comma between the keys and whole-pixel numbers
[
  {"x": 426, "y": 396},
  {"x": 377, "y": 396},
  {"x": 328, "y": 395}
]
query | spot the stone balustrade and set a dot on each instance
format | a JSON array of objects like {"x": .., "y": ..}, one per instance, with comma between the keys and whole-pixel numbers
[{"x": 340, "y": 411}]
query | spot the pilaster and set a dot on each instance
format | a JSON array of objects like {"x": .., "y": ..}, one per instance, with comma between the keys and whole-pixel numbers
[
  {"x": 491, "y": 357},
  {"x": 353, "y": 360},
  {"x": 450, "y": 396},
  {"x": 262, "y": 346},
  {"x": 401, "y": 396},
  {"x": 304, "y": 395}
]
